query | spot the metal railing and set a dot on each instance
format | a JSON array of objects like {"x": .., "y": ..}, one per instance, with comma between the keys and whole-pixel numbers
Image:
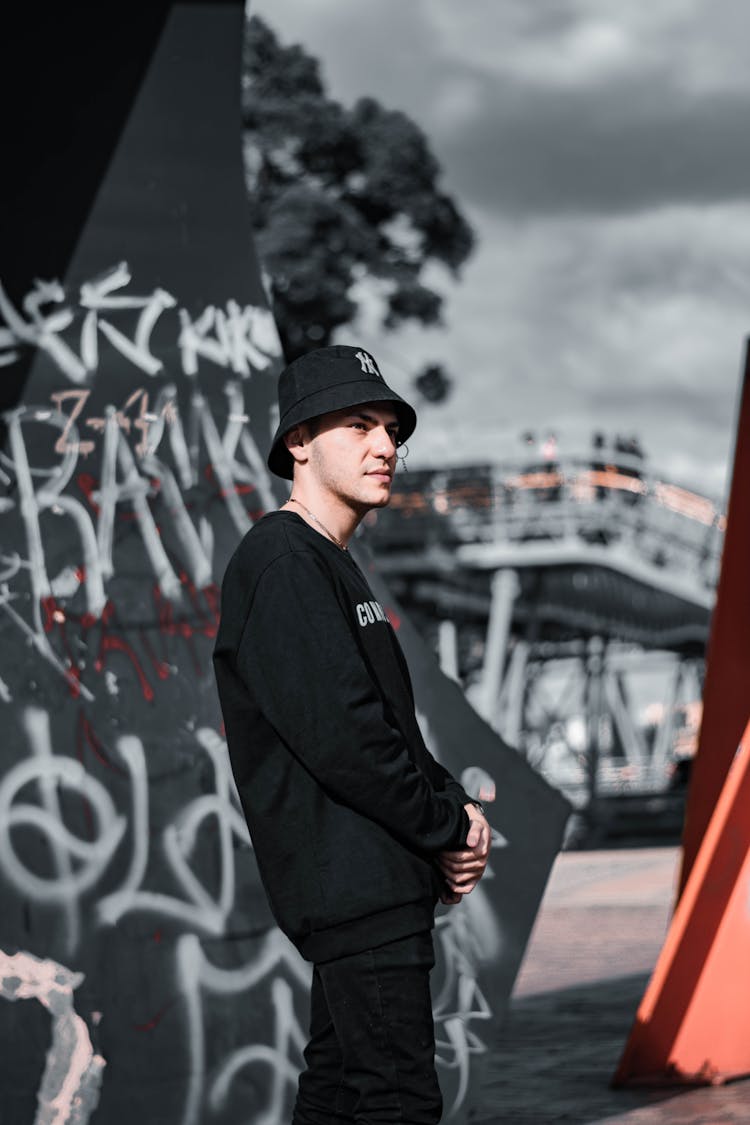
[{"x": 571, "y": 501}]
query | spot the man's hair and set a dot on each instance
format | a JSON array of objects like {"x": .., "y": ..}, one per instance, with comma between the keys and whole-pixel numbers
[{"x": 313, "y": 425}]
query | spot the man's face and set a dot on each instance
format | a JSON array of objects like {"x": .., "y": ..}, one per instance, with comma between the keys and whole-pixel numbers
[{"x": 352, "y": 455}]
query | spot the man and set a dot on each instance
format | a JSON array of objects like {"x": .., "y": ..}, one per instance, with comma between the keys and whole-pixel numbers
[{"x": 357, "y": 830}]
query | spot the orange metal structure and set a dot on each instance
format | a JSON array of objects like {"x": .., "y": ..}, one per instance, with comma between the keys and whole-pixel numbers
[
  {"x": 693, "y": 1024},
  {"x": 726, "y": 698}
]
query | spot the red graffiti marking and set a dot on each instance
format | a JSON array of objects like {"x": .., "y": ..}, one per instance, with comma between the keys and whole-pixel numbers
[
  {"x": 48, "y": 609},
  {"x": 88, "y": 485},
  {"x": 55, "y": 617},
  {"x": 155, "y": 1020},
  {"x": 117, "y": 644},
  {"x": 111, "y": 643},
  {"x": 86, "y": 737},
  {"x": 244, "y": 489},
  {"x": 240, "y": 489},
  {"x": 212, "y": 595},
  {"x": 166, "y": 616},
  {"x": 172, "y": 626},
  {"x": 209, "y": 625},
  {"x": 160, "y": 666}
]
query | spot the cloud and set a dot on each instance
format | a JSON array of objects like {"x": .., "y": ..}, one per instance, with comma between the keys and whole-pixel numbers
[
  {"x": 600, "y": 151},
  {"x": 594, "y": 106},
  {"x": 625, "y": 149},
  {"x": 387, "y": 50},
  {"x": 588, "y": 43},
  {"x": 631, "y": 324},
  {"x": 575, "y": 105}
]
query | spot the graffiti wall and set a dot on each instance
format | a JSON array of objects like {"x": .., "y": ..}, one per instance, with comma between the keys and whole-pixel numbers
[{"x": 140, "y": 972}]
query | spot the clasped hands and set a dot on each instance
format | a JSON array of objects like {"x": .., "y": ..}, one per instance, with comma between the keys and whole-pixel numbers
[{"x": 463, "y": 870}]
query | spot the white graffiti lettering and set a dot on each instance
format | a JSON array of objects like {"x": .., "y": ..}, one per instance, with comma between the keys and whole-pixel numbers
[
  {"x": 63, "y": 443},
  {"x": 197, "y": 976},
  {"x": 238, "y": 338},
  {"x": 463, "y": 947},
  {"x": 467, "y": 937},
  {"x": 198, "y": 908},
  {"x": 41, "y": 331},
  {"x": 69, "y": 1090},
  {"x": 49, "y": 771},
  {"x": 133, "y": 489},
  {"x": 140, "y": 484},
  {"x": 96, "y": 297}
]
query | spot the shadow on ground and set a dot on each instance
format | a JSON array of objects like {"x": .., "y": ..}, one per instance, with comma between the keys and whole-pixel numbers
[{"x": 556, "y": 1055}]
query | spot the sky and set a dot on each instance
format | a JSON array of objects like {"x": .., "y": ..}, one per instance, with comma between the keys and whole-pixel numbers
[{"x": 601, "y": 152}]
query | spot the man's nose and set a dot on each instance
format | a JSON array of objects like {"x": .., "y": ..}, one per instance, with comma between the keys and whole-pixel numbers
[{"x": 384, "y": 444}]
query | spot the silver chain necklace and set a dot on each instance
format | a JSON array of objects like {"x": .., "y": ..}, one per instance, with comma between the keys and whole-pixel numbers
[{"x": 294, "y": 500}]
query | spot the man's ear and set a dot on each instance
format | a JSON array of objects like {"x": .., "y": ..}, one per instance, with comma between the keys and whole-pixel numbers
[{"x": 295, "y": 440}]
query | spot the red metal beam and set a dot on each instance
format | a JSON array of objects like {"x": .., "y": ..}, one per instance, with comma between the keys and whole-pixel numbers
[{"x": 726, "y": 696}]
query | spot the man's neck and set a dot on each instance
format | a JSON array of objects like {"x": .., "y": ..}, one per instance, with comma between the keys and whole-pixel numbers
[{"x": 326, "y": 514}]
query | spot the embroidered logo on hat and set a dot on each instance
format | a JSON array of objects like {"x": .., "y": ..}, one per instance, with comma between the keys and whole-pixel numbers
[{"x": 368, "y": 364}]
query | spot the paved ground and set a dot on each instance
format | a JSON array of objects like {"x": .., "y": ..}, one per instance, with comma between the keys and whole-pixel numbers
[{"x": 597, "y": 937}]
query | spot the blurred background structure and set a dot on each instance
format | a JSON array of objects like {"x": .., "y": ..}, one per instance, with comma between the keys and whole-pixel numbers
[{"x": 570, "y": 595}]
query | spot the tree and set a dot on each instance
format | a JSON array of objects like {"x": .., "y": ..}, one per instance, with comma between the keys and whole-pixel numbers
[
  {"x": 343, "y": 199},
  {"x": 433, "y": 383}
]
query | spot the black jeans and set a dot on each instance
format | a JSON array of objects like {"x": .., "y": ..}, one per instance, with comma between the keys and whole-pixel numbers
[{"x": 371, "y": 1055}]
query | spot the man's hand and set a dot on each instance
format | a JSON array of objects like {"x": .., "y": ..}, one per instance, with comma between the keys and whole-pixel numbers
[{"x": 463, "y": 870}]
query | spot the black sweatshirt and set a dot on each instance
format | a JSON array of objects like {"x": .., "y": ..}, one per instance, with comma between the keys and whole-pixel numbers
[{"x": 346, "y": 806}]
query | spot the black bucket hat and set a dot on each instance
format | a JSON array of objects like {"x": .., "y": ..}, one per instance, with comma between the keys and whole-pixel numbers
[{"x": 325, "y": 380}]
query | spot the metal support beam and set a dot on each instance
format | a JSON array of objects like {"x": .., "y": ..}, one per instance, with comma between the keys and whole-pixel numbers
[
  {"x": 505, "y": 589},
  {"x": 594, "y": 700},
  {"x": 448, "y": 649},
  {"x": 631, "y": 738},
  {"x": 510, "y": 710}
]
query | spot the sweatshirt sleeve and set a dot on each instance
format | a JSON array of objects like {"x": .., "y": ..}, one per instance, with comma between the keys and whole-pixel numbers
[
  {"x": 301, "y": 663},
  {"x": 455, "y": 787}
]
